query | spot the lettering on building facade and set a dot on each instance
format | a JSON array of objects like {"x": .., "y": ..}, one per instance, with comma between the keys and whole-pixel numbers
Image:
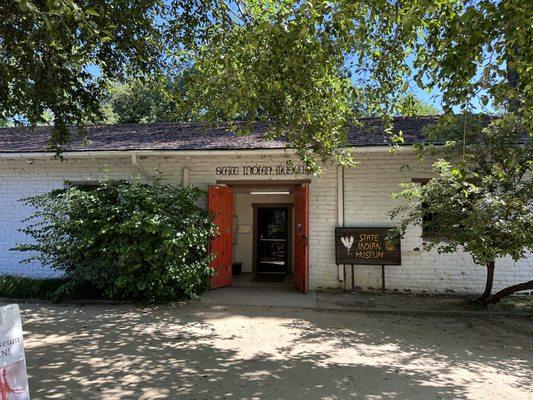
[
  {"x": 260, "y": 170},
  {"x": 366, "y": 246}
]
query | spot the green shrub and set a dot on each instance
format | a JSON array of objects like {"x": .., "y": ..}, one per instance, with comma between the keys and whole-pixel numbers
[
  {"x": 128, "y": 240},
  {"x": 23, "y": 287}
]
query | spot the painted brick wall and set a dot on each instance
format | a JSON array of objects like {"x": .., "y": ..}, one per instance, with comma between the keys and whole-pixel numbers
[
  {"x": 368, "y": 189},
  {"x": 368, "y": 200},
  {"x": 20, "y": 179}
]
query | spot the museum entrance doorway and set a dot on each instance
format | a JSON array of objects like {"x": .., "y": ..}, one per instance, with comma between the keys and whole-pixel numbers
[
  {"x": 268, "y": 238},
  {"x": 273, "y": 239}
]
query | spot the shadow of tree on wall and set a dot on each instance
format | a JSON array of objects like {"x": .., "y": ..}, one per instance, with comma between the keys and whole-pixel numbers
[{"x": 205, "y": 352}]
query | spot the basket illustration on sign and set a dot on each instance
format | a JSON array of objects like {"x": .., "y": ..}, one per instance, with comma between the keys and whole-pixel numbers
[{"x": 347, "y": 241}]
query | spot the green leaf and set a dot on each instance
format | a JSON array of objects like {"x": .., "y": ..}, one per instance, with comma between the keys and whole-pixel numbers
[{"x": 92, "y": 11}]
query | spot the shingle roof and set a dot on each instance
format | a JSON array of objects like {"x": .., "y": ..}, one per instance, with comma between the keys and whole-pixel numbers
[{"x": 180, "y": 136}]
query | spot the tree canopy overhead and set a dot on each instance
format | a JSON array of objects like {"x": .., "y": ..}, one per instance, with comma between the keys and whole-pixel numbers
[
  {"x": 308, "y": 67},
  {"x": 59, "y": 56},
  {"x": 159, "y": 99}
]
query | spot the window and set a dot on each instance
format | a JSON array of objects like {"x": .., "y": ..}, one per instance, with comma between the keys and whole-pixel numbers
[
  {"x": 82, "y": 185},
  {"x": 430, "y": 225}
]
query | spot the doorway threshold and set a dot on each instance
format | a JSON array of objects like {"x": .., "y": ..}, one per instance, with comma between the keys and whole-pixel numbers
[
  {"x": 260, "y": 296},
  {"x": 264, "y": 280}
]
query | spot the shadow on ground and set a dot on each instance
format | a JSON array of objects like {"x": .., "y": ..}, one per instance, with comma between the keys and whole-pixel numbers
[{"x": 199, "y": 351}]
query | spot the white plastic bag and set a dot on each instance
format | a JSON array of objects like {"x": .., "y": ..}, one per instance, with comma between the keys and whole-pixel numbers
[{"x": 13, "y": 376}]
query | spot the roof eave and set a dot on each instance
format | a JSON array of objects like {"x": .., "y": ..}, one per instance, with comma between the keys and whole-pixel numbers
[{"x": 159, "y": 153}]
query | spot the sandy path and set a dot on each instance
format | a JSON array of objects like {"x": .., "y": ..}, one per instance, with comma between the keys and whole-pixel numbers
[{"x": 199, "y": 351}]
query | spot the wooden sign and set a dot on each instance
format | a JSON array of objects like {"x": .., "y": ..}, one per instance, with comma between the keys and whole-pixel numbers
[{"x": 366, "y": 246}]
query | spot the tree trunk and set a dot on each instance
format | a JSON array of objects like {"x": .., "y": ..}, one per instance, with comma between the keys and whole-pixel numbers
[
  {"x": 510, "y": 290},
  {"x": 488, "y": 285}
]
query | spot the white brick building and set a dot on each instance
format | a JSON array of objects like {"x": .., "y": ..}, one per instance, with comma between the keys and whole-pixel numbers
[{"x": 256, "y": 171}]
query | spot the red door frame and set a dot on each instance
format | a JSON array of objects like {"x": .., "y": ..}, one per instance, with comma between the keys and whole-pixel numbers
[
  {"x": 220, "y": 204},
  {"x": 301, "y": 238}
]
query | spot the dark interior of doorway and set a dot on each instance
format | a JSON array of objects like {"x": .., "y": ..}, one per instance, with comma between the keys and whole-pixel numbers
[{"x": 272, "y": 255}]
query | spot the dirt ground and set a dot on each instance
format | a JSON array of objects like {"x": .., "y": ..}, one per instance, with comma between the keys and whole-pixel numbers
[{"x": 202, "y": 351}]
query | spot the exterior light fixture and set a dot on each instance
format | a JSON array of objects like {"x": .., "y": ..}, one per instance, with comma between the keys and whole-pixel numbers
[{"x": 264, "y": 192}]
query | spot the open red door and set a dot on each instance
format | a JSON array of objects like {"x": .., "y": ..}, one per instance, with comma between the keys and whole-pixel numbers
[
  {"x": 301, "y": 238},
  {"x": 220, "y": 203}
]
